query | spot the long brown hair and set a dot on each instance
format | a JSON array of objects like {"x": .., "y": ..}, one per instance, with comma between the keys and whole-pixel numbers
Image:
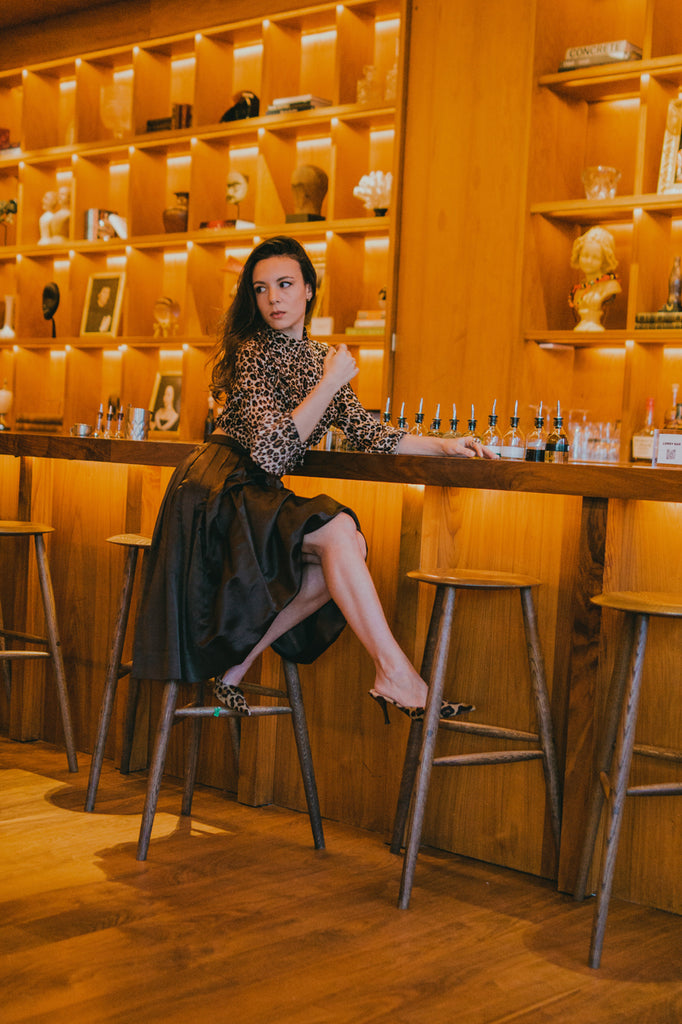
[{"x": 242, "y": 320}]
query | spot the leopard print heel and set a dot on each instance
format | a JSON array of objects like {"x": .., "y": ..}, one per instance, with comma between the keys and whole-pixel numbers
[{"x": 231, "y": 697}]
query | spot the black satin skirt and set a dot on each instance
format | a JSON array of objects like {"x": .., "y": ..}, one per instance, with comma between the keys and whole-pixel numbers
[{"x": 226, "y": 558}]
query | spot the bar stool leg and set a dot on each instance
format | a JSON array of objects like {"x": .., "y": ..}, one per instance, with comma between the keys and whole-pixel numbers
[
  {"x": 170, "y": 697},
  {"x": 414, "y": 739},
  {"x": 303, "y": 747},
  {"x": 614, "y": 704},
  {"x": 622, "y": 760},
  {"x": 543, "y": 712},
  {"x": 4, "y": 663},
  {"x": 55, "y": 649},
  {"x": 192, "y": 754},
  {"x": 432, "y": 718},
  {"x": 112, "y": 678},
  {"x": 129, "y": 724},
  {"x": 236, "y": 737}
]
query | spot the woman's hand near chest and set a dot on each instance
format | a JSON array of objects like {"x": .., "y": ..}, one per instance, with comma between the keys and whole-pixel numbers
[{"x": 339, "y": 368}]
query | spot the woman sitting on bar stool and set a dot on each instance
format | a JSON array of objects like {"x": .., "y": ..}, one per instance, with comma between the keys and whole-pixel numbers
[{"x": 238, "y": 562}]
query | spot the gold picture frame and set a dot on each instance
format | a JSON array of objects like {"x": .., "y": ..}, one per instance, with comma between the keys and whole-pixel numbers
[
  {"x": 670, "y": 173},
  {"x": 165, "y": 403},
  {"x": 103, "y": 302}
]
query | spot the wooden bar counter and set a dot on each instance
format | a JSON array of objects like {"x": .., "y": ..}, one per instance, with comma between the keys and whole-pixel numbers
[{"x": 578, "y": 528}]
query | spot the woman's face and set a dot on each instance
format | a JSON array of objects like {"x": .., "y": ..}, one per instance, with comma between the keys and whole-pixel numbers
[
  {"x": 591, "y": 258},
  {"x": 281, "y": 294}
]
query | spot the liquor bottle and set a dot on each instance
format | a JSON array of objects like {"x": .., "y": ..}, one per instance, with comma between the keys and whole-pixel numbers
[
  {"x": 491, "y": 436},
  {"x": 118, "y": 436},
  {"x": 471, "y": 428},
  {"x": 671, "y": 414},
  {"x": 110, "y": 416},
  {"x": 536, "y": 440},
  {"x": 453, "y": 431},
  {"x": 557, "y": 447},
  {"x": 434, "y": 430},
  {"x": 209, "y": 422},
  {"x": 513, "y": 442},
  {"x": 98, "y": 424},
  {"x": 642, "y": 449},
  {"x": 418, "y": 428},
  {"x": 402, "y": 421},
  {"x": 386, "y": 415}
]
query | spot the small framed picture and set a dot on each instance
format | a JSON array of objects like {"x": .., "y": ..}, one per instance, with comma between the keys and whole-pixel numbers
[
  {"x": 103, "y": 301},
  {"x": 165, "y": 402},
  {"x": 670, "y": 173}
]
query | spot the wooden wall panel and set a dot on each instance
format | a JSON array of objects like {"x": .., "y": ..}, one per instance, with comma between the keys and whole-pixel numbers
[{"x": 464, "y": 188}]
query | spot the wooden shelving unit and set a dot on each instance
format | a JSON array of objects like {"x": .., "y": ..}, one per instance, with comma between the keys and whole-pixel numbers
[
  {"x": 54, "y": 113},
  {"x": 613, "y": 115}
]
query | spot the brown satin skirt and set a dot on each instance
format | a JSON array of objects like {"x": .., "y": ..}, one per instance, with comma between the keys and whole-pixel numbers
[{"x": 226, "y": 558}]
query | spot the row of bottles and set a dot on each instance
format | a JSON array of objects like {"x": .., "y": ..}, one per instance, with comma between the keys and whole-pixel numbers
[{"x": 540, "y": 445}]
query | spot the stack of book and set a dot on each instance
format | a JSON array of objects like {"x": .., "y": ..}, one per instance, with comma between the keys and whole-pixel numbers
[
  {"x": 599, "y": 53},
  {"x": 368, "y": 321},
  {"x": 305, "y": 102},
  {"x": 662, "y": 320}
]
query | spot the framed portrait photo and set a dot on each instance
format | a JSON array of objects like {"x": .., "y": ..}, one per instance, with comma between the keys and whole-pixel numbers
[
  {"x": 103, "y": 301},
  {"x": 165, "y": 402},
  {"x": 670, "y": 173}
]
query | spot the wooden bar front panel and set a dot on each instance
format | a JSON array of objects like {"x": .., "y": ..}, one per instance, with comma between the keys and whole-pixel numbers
[{"x": 493, "y": 814}]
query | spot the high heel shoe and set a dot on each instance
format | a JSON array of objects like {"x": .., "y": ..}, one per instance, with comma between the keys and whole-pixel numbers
[
  {"x": 231, "y": 697},
  {"x": 447, "y": 708}
]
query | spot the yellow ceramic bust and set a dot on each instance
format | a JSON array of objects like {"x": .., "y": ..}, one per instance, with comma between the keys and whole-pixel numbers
[{"x": 595, "y": 256}]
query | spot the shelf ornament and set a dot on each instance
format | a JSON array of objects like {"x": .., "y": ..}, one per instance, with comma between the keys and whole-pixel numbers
[
  {"x": 670, "y": 172},
  {"x": 8, "y": 207},
  {"x": 375, "y": 191},
  {"x": 594, "y": 254}
]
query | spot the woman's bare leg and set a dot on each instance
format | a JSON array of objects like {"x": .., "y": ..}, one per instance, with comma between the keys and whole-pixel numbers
[
  {"x": 310, "y": 598},
  {"x": 341, "y": 551}
]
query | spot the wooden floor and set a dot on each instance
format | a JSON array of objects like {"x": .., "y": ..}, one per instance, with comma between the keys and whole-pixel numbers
[{"x": 235, "y": 918}]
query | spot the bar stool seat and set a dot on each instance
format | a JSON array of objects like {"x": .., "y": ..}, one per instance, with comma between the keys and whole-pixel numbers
[
  {"x": 134, "y": 543},
  {"x": 419, "y": 757},
  {"x": 618, "y": 745},
  {"x": 196, "y": 712},
  {"x": 13, "y": 528}
]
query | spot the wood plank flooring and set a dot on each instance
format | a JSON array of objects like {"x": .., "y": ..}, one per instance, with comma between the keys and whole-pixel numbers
[{"x": 235, "y": 918}]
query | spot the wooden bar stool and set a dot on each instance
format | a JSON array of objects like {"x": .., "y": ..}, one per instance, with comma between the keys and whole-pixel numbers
[
  {"x": 133, "y": 543},
  {"x": 618, "y": 745},
  {"x": 434, "y": 665},
  {"x": 10, "y": 528},
  {"x": 196, "y": 712}
]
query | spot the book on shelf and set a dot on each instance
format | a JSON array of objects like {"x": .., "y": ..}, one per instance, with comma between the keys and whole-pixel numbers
[
  {"x": 308, "y": 97},
  {"x": 365, "y": 330},
  {"x": 661, "y": 319},
  {"x": 363, "y": 322},
  {"x": 599, "y": 53},
  {"x": 370, "y": 314},
  {"x": 307, "y": 102}
]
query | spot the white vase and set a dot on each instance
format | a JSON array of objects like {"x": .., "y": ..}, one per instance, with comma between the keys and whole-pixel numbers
[
  {"x": 7, "y": 330},
  {"x": 5, "y": 405}
]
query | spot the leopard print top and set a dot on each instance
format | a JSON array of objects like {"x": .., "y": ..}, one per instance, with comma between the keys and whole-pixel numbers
[{"x": 273, "y": 374}]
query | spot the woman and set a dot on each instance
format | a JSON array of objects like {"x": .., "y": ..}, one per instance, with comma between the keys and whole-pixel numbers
[
  {"x": 240, "y": 563},
  {"x": 594, "y": 254}
]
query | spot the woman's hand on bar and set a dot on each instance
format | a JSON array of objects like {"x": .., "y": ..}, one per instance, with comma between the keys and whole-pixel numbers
[{"x": 455, "y": 447}]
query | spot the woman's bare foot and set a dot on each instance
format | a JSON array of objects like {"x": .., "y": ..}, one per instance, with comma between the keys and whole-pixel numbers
[{"x": 405, "y": 687}]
